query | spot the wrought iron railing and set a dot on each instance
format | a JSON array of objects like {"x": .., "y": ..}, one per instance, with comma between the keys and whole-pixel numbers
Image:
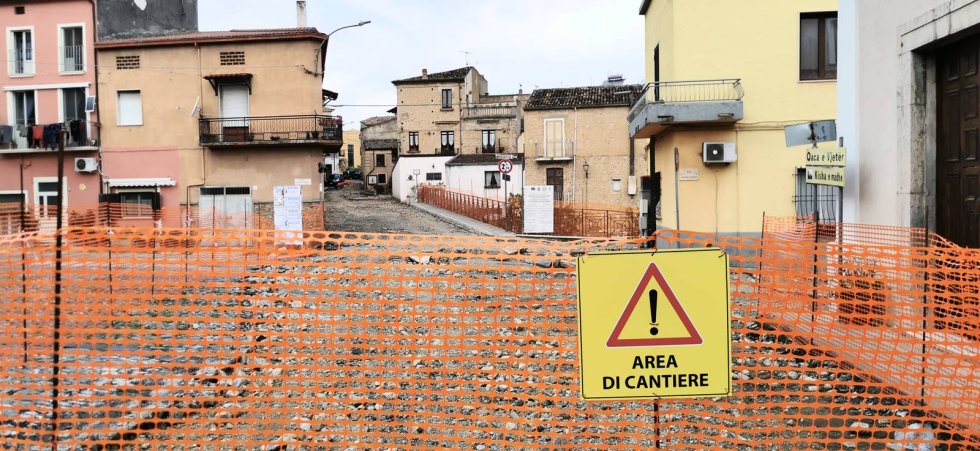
[
  {"x": 554, "y": 150},
  {"x": 81, "y": 133},
  {"x": 727, "y": 89},
  {"x": 21, "y": 61},
  {"x": 487, "y": 112},
  {"x": 298, "y": 129},
  {"x": 72, "y": 58}
]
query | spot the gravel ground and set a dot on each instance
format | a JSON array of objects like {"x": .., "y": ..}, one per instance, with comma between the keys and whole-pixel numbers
[{"x": 348, "y": 210}]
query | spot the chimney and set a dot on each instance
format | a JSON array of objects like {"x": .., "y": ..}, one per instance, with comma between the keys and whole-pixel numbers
[
  {"x": 425, "y": 74},
  {"x": 300, "y": 14}
]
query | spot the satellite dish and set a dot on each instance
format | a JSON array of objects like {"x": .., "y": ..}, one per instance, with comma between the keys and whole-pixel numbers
[{"x": 197, "y": 106}]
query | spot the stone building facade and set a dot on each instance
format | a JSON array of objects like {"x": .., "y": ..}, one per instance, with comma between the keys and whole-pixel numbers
[
  {"x": 379, "y": 151},
  {"x": 565, "y": 128}
]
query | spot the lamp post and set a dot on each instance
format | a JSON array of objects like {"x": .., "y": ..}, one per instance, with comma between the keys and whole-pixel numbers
[
  {"x": 585, "y": 166},
  {"x": 359, "y": 24}
]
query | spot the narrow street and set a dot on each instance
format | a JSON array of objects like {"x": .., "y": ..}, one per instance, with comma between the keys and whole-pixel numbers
[{"x": 348, "y": 210}]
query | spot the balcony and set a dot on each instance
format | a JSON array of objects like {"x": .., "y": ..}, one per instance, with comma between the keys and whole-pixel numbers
[
  {"x": 489, "y": 112},
  {"x": 667, "y": 103},
  {"x": 21, "y": 62},
  {"x": 72, "y": 58},
  {"x": 298, "y": 130},
  {"x": 83, "y": 136},
  {"x": 554, "y": 151}
]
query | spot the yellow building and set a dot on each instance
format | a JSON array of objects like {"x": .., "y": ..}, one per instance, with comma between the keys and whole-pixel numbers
[
  {"x": 351, "y": 150},
  {"x": 216, "y": 119},
  {"x": 733, "y": 73}
]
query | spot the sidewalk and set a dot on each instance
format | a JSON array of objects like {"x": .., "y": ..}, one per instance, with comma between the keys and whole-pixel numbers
[{"x": 462, "y": 221}]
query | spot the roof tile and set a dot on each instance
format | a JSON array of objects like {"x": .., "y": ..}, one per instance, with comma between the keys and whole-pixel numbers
[{"x": 582, "y": 97}]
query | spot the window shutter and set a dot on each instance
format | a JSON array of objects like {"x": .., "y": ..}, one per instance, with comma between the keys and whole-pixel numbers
[{"x": 130, "y": 108}]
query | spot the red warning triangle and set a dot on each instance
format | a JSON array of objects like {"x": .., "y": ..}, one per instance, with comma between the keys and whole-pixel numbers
[{"x": 693, "y": 338}]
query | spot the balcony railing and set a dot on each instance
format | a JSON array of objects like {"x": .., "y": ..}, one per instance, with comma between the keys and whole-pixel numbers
[
  {"x": 555, "y": 151},
  {"x": 728, "y": 89},
  {"x": 21, "y": 61},
  {"x": 272, "y": 130},
  {"x": 489, "y": 112},
  {"x": 72, "y": 58},
  {"x": 82, "y": 135}
]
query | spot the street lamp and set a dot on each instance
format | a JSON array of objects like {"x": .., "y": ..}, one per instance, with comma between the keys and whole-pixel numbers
[
  {"x": 361, "y": 23},
  {"x": 585, "y": 166}
]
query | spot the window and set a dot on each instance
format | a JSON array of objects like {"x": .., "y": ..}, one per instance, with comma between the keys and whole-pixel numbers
[
  {"x": 18, "y": 10},
  {"x": 24, "y": 108},
  {"x": 21, "y": 48},
  {"x": 447, "y": 99},
  {"x": 129, "y": 108},
  {"x": 818, "y": 46},
  {"x": 73, "y": 104},
  {"x": 413, "y": 141},
  {"x": 72, "y": 49},
  {"x": 433, "y": 176},
  {"x": 489, "y": 141},
  {"x": 819, "y": 200},
  {"x": 448, "y": 141},
  {"x": 379, "y": 160},
  {"x": 137, "y": 204},
  {"x": 382, "y": 179},
  {"x": 12, "y": 197},
  {"x": 350, "y": 155},
  {"x": 46, "y": 196},
  {"x": 491, "y": 179},
  {"x": 617, "y": 185},
  {"x": 554, "y": 137}
]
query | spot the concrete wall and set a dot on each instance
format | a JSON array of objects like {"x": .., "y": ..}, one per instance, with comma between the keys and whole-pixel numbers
[
  {"x": 125, "y": 19},
  {"x": 47, "y": 80},
  {"x": 470, "y": 179},
  {"x": 762, "y": 49},
  {"x": 169, "y": 97},
  {"x": 887, "y": 112},
  {"x": 597, "y": 135},
  {"x": 404, "y": 189}
]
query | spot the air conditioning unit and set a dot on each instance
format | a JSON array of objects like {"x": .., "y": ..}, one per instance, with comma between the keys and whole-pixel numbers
[
  {"x": 86, "y": 165},
  {"x": 718, "y": 153}
]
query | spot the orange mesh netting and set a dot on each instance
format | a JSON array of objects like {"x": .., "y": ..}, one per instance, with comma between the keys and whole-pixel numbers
[{"x": 257, "y": 340}]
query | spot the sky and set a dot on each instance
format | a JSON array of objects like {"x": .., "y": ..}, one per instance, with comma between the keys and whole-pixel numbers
[{"x": 513, "y": 43}]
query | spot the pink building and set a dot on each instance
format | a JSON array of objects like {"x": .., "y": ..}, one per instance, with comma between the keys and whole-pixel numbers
[{"x": 48, "y": 82}]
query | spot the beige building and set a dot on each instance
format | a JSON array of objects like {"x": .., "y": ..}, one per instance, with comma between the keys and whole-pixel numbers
[
  {"x": 575, "y": 139},
  {"x": 226, "y": 115},
  {"x": 379, "y": 151},
  {"x": 452, "y": 112}
]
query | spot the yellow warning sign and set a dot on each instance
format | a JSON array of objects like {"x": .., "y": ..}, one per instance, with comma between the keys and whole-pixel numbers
[{"x": 654, "y": 324}]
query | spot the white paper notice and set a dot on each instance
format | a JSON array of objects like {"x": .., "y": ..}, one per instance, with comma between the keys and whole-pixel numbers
[
  {"x": 539, "y": 209},
  {"x": 288, "y": 209}
]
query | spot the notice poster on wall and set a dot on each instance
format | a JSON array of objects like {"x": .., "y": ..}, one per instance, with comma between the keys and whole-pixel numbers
[
  {"x": 539, "y": 209},
  {"x": 287, "y": 203}
]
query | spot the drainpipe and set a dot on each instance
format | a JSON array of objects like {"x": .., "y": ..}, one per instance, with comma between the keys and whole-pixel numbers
[
  {"x": 574, "y": 154},
  {"x": 98, "y": 105}
]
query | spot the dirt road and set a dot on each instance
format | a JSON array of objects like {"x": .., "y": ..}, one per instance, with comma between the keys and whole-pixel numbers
[{"x": 350, "y": 211}]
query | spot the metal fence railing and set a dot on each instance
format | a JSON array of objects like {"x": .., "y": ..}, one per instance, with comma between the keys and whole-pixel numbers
[
  {"x": 72, "y": 58},
  {"x": 728, "y": 89},
  {"x": 295, "y": 129},
  {"x": 489, "y": 112}
]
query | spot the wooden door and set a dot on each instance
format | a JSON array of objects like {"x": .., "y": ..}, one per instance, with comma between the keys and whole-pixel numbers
[
  {"x": 556, "y": 178},
  {"x": 958, "y": 168}
]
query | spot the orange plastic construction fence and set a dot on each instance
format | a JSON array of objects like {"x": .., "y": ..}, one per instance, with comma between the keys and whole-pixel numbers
[{"x": 259, "y": 340}]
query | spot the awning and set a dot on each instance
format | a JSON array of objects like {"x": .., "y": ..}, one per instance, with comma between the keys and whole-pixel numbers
[
  {"x": 141, "y": 182},
  {"x": 229, "y": 79}
]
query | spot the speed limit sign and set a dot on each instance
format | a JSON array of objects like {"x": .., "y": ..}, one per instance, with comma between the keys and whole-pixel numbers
[{"x": 505, "y": 166}]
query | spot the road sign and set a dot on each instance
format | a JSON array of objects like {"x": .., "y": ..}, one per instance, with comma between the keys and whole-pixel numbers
[
  {"x": 825, "y": 176},
  {"x": 505, "y": 166},
  {"x": 664, "y": 334},
  {"x": 816, "y": 156},
  {"x": 810, "y": 133}
]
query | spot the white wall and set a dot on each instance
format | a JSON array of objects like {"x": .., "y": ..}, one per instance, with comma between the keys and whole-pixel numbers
[
  {"x": 470, "y": 179},
  {"x": 869, "y": 78},
  {"x": 402, "y": 188}
]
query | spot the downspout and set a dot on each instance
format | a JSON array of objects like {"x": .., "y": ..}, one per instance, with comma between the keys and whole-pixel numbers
[
  {"x": 98, "y": 105},
  {"x": 574, "y": 155}
]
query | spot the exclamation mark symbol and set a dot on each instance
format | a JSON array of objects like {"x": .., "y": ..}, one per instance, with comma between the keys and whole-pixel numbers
[{"x": 653, "y": 313}]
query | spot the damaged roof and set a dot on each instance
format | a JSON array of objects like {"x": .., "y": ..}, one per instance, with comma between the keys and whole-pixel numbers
[{"x": 583, "y": 97}]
